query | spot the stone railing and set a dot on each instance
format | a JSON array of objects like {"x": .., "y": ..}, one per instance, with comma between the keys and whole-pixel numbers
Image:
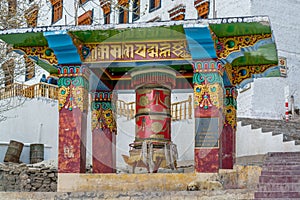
[
  {"x": 180, "y": 110},
  {"x": 29, "y": 91}
]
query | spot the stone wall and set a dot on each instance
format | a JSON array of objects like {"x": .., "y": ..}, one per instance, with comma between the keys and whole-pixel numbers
[{"x": 27, "y": 178}]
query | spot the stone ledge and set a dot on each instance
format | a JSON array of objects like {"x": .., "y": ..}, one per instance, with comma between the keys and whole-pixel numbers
[{"x": 179, "y": 195}]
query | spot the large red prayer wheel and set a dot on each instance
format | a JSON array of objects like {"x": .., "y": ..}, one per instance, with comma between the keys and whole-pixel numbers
[
  {"x": 153, "y": 116},
  {"x": 153, "y": 105}
]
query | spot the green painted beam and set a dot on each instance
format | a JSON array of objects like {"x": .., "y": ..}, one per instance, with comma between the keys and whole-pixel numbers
[
  {"x": 49, "y": 68},
  {"x": 25, "y": 39},
  {"x": 132, "y": 34},
  {"x": 237, "y": 29},
  {"x": 266, "y": 54}
]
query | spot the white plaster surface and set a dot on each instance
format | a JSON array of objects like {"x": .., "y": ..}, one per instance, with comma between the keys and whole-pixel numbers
[
  {"x": 253, "y": 142},
  {"x": 35, "y": 121},
  {"x": 267, "y": 95}
]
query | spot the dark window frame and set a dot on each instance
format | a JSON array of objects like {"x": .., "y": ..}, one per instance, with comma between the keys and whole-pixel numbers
[
  {"x": 136, "y": 9},
  {"x": 54, "y": 20},
  {"x": 152, "y": 6}
]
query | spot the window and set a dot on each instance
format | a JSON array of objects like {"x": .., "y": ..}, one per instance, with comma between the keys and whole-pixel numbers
[
  {"x": 123, "y": 11},
  {"x": 31, "y": 16},
  {"x": 177, "y": 13},
  {"x": 83, "y": 1},
  {"x": 57, "y": 10},
  {"x": 86, "y": 18},
  {"x": 135, "y": 10},
  {"x": 123, "y": 16},
  {"x": 107, "y": 18},
  {"x": 12, "y": 7},
  {"x": 30, "y": 69},
  {"x": 154, "y": 5},
  {"x": 202, "y": 7},
  {"x": 8, "y": 67},
  {"x": 105, "y": 5}
]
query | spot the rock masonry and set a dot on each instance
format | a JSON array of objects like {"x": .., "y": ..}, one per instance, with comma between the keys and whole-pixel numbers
[{"x": 27, "y": 178}]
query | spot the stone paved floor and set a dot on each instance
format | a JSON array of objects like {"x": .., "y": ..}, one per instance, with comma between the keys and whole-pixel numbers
[{"x": 178, "y": 195}]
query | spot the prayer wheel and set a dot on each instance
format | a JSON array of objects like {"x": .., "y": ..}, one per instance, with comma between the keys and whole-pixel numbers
[
  {"x": 14, "y": 151},
  {"x": 153, "y": 116},
  {"x": 152, "y": 147},
  {"x": 153, "y": 105},
  {"x": 36, "y": 153}
]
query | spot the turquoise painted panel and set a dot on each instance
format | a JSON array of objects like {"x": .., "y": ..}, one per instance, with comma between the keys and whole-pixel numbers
[
  {"x": 200, "y": 43},
  {"x": 63, "y": 47}
]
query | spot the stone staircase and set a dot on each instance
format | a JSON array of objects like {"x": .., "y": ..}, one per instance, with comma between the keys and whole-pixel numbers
[
  {"x": 290, "y": 130},
  {"x": 280, "y": 177}
]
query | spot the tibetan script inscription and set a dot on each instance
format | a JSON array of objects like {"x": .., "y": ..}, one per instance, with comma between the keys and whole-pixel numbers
[
  {"x": 137, "y": 51},
  {"x": 207, "y": 133}
]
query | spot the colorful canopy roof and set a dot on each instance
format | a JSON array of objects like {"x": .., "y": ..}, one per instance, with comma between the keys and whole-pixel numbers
[{"x": 245, "y": 46}]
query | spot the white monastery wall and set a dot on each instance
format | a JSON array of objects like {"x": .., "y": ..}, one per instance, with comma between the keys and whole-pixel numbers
[
  {"x": 267, "y": 94},
  {"x": 245, "y": 96},
  {"x": 253, "y": 142},
  {"x": 231, "y": 8},
  {"x": 35, "y": 121},
  {"x": 284, "y": 16}
]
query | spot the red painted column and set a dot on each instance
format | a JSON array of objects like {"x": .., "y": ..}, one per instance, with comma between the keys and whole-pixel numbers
[
  {"x": 228, "y": 137},
  {"x": 73, "y": 105},
  {"x": 208, "y": 105},
  {"x": 103, "y": 133}
]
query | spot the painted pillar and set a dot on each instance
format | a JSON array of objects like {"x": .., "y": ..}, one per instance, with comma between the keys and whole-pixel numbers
[
  {"x": 103, "y": 133},
  {"x": 228, "y": 137},
  {"x": 73, "y": 107},
  {"x": 208, "y": 105}
]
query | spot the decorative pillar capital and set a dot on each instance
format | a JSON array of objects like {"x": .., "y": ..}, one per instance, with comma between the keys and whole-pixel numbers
[
  {"x": 208, "y": 66},
  {"x": 73, "y": 71},
  {"x": 102, "y": 111},
  {"x": 73, "y": 86}
]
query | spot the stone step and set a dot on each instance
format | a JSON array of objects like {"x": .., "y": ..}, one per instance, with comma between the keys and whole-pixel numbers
[
  {"x": 282, "y": 172},
  {"x": 275, "y": 195},
  {"x": 269, "y": 199},
  {"x": 287, "y": 137},
  {"x": 285, "y": 154},
  {"x": 280, "y": 167},
  {"x": 276, "y": 132},
  {"x": 282, "y": 163},
  {"x": 279, "y": 179},
  {"x": 285, "y": 159},
  {"x": 286, "y": 187},
  {"x": 255, "y": 126},
  {"x": 267, "y": 129}
]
